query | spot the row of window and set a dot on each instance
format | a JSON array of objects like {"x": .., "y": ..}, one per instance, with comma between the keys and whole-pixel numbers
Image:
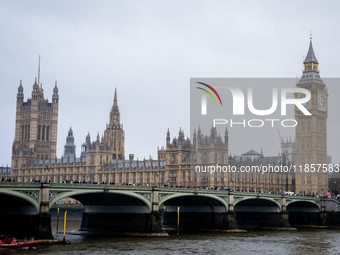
[
  {"x": 25, "y": 132},
  {"x": 42, "y": 157},
  {"x": 43, "y": 133}
]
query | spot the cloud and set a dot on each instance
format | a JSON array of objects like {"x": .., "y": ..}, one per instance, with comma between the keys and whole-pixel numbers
[{"x": 150, "y": 50}]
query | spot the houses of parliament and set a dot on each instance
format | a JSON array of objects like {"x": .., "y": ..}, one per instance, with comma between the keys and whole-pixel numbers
[{"x": 103, "y": 158}]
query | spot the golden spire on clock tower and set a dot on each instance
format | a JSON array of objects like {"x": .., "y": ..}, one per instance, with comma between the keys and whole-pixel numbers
[
  {"x": 310, "y": 64},
  {"x": 310, "y": 67}
]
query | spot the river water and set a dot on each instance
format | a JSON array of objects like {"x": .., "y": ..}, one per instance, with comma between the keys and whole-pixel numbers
[{"x": 306, "y": 241}]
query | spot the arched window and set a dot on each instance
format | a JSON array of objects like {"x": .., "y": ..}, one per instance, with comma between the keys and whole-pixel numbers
[
  {"x": 43, "y": 133},
  {"x": 173, "y": 157},
  {"x": 39, "y": 130},
  {"x": 47, "y": 133},
  {"x": 22, "y": 132},
  {"x": 114, "y": 143},
  {"x": 25, "y": 132}
]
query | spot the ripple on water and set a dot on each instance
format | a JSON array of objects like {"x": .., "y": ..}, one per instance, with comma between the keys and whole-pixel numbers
[{"x": 306, "y": 241}]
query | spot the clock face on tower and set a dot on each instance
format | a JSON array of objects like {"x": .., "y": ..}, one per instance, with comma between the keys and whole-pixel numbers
[
  {"x": 322, "y": 102},
  {"x": 307, "y": 103}
]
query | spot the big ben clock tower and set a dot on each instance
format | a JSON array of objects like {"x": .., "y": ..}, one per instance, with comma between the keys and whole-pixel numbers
[{"x": 311, "y": 131}]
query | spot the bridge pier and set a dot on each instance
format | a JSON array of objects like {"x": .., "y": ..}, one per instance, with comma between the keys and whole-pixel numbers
[
  {"x": 44, "y": 217},
  {"x": 44, "y": 226},
  {"x": 155, "y": 216},
  {"x": 231, "y": 215},
  {"x": 284, "y": 214},
  {"x": 231, "y": 220}
]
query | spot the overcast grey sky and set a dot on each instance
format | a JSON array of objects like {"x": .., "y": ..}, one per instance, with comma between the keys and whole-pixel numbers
[{"x": 149, "y": 50}]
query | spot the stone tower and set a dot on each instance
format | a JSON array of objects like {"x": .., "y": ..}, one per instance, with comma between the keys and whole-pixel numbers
[
  {"x": 177, "y": 158},
  {"x": 35, "y": 126},
  {"x": 311, "y": 130},
  {"x": 114, "y": 133},
  {"x": 69, "y": 148},
  {"x": 108, "y": 147},
  {"x": 212, "y": 150}
]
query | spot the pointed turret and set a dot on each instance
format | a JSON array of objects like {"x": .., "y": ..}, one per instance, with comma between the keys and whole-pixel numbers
[
  {"x": 226, "y": 137},
  {"x": 115, "y": 99},
  {"x": 310, "y": 67},
  {"x": 70, "y": 132},
  {"x": 20, "y": 95},
  {"x": 55, "y": 96},
  {"x": 20, "y": 88},
  {"x": 37, "y": 93},
  {"x": 88, "y": 140},
  {"x": 199, "y": 136},
  {"x": 212, "y": 135},
  {"x": 55, "y": 89},
  {"x": 114, "y": 114},
  {"x": 69, "y": 148},
  {"x": 180, "y": 136},
  {"x": 194, "y": 140},
  {"x": 168, "y": 139},
  {"x": 310, "y": 54}
]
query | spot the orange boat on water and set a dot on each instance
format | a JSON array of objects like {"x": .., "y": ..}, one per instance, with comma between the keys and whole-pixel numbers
[{"x": 6, "y": 242}]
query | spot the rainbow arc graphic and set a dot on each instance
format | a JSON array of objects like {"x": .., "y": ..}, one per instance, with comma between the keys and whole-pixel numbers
[{"x": 209, "y": 93}]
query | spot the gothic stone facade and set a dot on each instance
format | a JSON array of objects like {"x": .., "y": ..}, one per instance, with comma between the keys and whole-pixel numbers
[
  {"x": 36, "y": 126},
  {"x": 103, "y": 160}
]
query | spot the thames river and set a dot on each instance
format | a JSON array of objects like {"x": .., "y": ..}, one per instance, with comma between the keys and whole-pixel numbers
[{"x": 307, "y": 241}]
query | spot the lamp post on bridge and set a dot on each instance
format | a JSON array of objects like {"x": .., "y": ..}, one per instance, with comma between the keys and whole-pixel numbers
[
  {"x": 46, "y": 170},
  {"x": 156, "y": 176},
  {"x": 88, "y": 178}
]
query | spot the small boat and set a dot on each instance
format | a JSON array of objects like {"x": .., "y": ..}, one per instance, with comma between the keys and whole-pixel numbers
[{"x": 6, "y": 242}]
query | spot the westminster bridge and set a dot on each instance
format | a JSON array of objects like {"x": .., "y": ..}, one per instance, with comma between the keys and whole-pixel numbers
[{"x": 121, "y": 208}]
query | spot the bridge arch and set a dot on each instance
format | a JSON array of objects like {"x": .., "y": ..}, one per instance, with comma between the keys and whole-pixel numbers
[
  {"x": 104, "y": 201},
  {"x": 23, "y": 203},
  {"x": 257, "y": 204},
  {"x": 303, "y": 206},
  {"x": 195, "y": 202}
]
